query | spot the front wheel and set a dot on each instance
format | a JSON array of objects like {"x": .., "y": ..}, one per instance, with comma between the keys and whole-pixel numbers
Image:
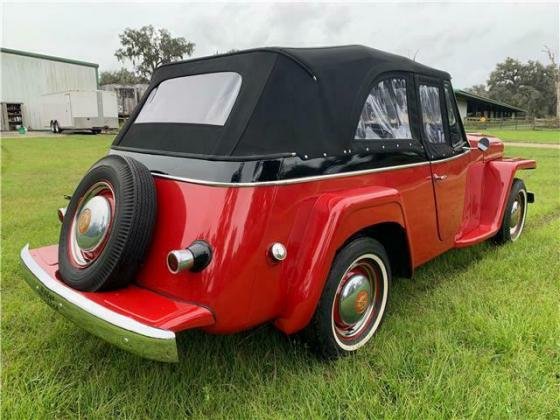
[
  {"x": 514, "y": 214},
  {"x": 354, "y": 299}
]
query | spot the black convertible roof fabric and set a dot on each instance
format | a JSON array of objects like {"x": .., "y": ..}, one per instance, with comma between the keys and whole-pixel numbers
[{"x": 292, "y": 100}]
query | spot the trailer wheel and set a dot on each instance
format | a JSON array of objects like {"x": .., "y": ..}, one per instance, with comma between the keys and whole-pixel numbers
[{"x": 55, "y": 128}]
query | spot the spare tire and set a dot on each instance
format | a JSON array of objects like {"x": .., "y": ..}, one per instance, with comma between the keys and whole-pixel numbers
[{"x": 108, "y": 225}]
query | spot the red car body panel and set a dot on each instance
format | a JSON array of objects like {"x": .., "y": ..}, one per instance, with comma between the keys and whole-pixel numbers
[
  {"x": 241, "y": 284},
  {"x": 140, "y": 304},
  {"x": 242, "y": 287}
]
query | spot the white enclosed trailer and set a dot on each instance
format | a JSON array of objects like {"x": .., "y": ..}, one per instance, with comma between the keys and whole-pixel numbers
[
  {"x": 26, "y": 76},
  {"x": 92, "y": 110}
]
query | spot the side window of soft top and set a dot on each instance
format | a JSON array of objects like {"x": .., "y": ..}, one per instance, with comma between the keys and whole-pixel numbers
[
  {"x": 385, "y": 112},
  {"x": 455, "y": 131},
  {"x": 432, "y": 120}
]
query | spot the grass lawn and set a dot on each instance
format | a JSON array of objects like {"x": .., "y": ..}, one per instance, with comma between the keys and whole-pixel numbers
[
  {"x": 474, "y": 334},
  {"x": 526, "y": 136}
]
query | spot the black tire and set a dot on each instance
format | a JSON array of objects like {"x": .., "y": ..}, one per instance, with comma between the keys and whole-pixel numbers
[
  {"x": 513, "y": 222},
  {"x": 96, "y": 131},
  {"x": 322, "y": 332},
  {"x": 54, "y": 127},
  {"x": 130, "y": 230}
]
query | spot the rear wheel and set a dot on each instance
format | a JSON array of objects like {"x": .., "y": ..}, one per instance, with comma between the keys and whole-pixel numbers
[
  {"x": 514, "y": 215},
  {"x": 354, "y": 299}
]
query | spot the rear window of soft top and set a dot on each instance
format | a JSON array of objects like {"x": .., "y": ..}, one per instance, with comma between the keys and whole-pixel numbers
[{"x": 197, "y": 99}]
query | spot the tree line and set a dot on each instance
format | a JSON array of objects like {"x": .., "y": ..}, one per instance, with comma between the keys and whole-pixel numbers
[{"x": 532, "y": 86}]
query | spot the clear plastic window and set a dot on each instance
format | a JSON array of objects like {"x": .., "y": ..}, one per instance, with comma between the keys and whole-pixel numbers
[
  {"x": 432, "y": 120},
  {"x": 198, "y": 99},
  {"x": 452, "y": 117},
  {"x": 385, "y": 113}
]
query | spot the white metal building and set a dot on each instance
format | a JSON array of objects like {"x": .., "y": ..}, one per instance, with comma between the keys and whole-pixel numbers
[{"x": 27, "y": 76}]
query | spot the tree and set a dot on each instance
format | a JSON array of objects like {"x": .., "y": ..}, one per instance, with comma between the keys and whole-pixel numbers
[
  {"x": 530, "y": 86},
  {"x": 556, "y": 69},
  {"x": 121, "y": 77},
  {"x": 479, "y": 90},
  {"x": 148, "y": 48}
]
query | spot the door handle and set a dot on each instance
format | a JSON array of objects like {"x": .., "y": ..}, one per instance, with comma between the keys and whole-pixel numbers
[{"x": 439, "y": 177}]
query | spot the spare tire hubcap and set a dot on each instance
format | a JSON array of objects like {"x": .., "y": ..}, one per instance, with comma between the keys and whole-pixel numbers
[{"x": 93, "y": 223}]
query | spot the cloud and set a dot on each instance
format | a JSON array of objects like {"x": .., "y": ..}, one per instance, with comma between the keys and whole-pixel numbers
[{"x": 465, "y": 39}]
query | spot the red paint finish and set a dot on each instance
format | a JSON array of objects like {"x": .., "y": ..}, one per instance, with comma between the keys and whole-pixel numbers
[
  {"x": 449, "y": 178},
  {"x": 496, "y": 149},
  {"x": 498, "y": 177},
  {"x": 138, "y": 303},
  {"x": 313, "y": 219},
  {"x": 243, "y": 287}
]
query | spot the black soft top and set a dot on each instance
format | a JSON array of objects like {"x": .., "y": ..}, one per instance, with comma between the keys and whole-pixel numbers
[{"x": 305, "y": 101}]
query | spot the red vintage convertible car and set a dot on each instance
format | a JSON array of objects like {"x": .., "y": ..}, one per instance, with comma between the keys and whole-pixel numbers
[{"x": 274, "y": 185}]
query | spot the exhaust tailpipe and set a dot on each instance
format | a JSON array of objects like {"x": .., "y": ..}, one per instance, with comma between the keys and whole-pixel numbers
[{"x": 194, "y": 258}]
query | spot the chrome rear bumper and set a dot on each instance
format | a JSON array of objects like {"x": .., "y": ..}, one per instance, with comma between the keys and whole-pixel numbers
[{"x": 122, "y": 331}]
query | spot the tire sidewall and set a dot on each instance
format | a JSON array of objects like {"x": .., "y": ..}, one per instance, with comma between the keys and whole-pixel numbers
[
  {"x": 96, "y": 174},
  {"x": 323, "y": 320},
  {"x": 517, "y": 187},
  {"x": 115, "y": 258}
]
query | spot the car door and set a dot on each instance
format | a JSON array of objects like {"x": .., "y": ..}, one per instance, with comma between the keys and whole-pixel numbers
[{"x": 445, "y": 142}]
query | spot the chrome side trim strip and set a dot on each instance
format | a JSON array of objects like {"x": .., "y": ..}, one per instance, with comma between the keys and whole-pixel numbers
[
  {"x": 120, "y": 330},
  {"x": 289, "y": 181},
  {"x": 465, "y": 152},
  {"x": 304, "y": 179}
]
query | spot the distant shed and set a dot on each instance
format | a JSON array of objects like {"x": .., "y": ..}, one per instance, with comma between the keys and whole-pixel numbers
[
  {"x": 128, "y": 96},
  {"x": 471, "y": 105},
  {"x": 27, "y": 76}
]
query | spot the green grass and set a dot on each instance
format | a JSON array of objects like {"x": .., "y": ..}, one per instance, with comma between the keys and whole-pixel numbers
[
  {"x": 544, "y": 136},
  {"x": 474, "y": 334}
]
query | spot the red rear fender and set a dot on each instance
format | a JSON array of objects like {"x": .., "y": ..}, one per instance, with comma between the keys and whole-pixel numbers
[{"x": 335, "y": 217}]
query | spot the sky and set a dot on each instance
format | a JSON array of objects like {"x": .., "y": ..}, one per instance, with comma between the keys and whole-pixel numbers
[{"x": 464, "y": 39}]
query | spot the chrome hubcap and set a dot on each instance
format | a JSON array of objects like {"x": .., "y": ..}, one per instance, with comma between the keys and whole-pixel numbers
[
  {"x": 355, "y": 300},
  {"x": 91, "y": 224},
  {"x": 93, "y": 221},
  {"x": 517, "y": 216}
]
